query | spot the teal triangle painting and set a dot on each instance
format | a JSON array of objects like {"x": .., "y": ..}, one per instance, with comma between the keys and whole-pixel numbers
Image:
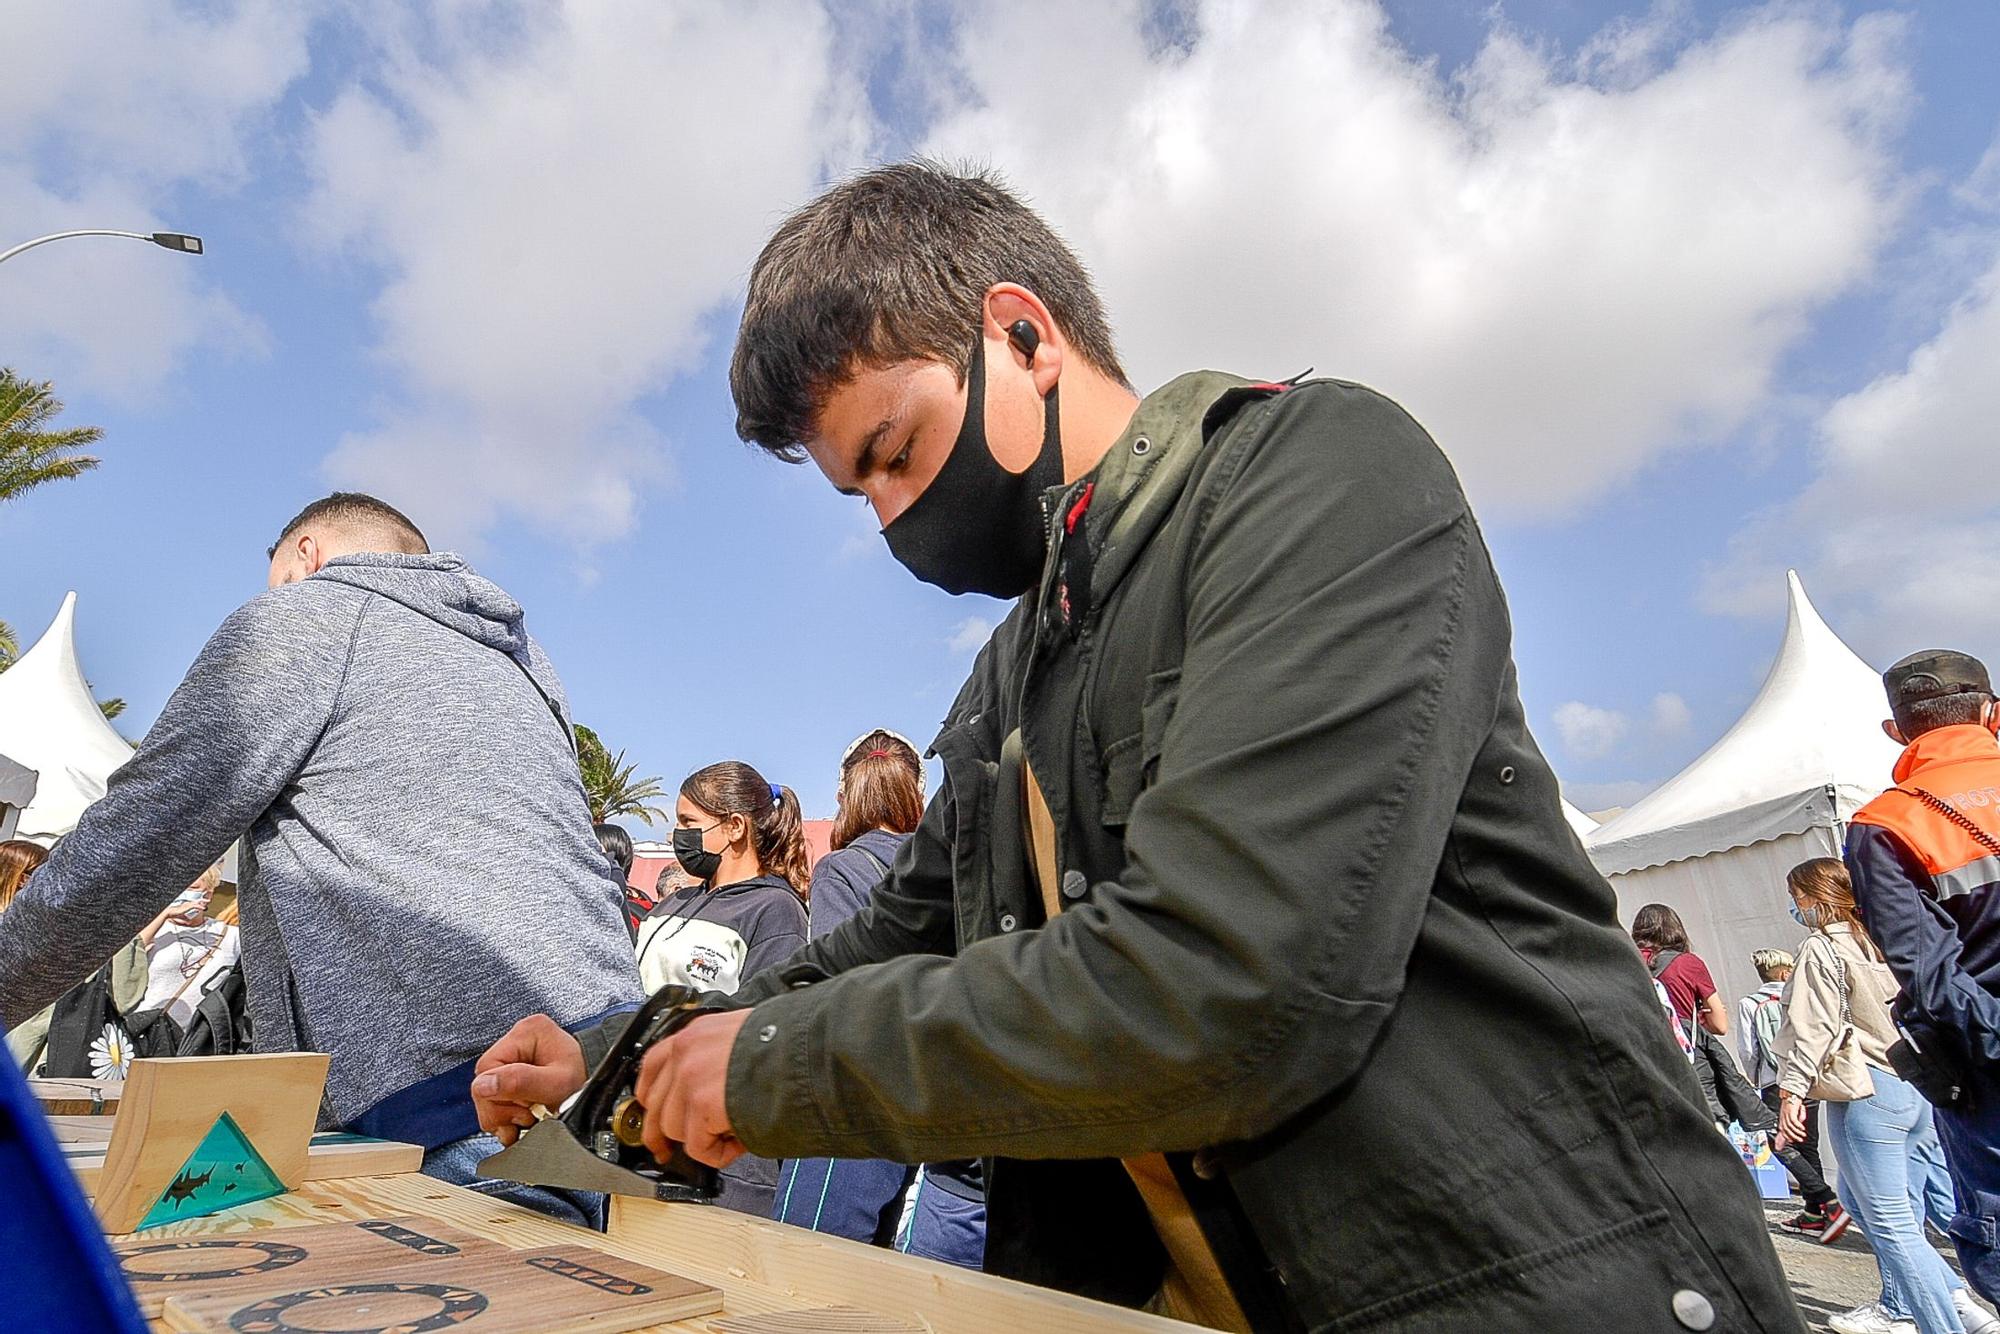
[{"x": 225, "y": 1170}]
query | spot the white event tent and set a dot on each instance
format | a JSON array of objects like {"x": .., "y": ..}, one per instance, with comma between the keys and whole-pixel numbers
[
  {"x": 1714, "y": 842},
  {"x": 17, "y": 788},
  {"x": 1581, "y": 823},
  {"x": 50, "y": 723}
]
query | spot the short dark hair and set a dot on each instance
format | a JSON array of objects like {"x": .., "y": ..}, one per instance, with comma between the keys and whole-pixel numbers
[
  {"x": 617, "y": 845},
  {"x": 892, "y": 265},
  {"x": 1658, "y": 928},
  {"x": 1927, "y": 715},
  {"x": 353, "y": 507}
]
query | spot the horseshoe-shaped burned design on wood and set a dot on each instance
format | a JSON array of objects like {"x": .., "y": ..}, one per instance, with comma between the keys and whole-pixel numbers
[
  {"x": 455, "y": 1307},
  {"x": 277, "y": 1255}
]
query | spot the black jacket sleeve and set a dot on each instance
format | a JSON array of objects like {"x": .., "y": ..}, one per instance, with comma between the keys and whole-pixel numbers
[{"x": 1346, "y": 644}]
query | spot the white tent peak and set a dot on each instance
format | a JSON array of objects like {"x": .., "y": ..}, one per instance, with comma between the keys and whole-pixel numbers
[
  {"x": 1812, "y": 737},
  {"x": 50, "y": 722},
  {"x": 1581, "y": 823}
]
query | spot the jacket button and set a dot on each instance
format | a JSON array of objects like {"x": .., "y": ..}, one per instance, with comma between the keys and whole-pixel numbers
[
  {"x": 1074, "y": 884},
  {"x": 767, "y": 1032},
  {"x": 1693, "y": 1310},
  {"x": 1006, "y": 921}
]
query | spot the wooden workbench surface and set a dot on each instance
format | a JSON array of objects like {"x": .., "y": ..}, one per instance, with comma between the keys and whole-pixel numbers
[{"x": 761, "y": 1267}]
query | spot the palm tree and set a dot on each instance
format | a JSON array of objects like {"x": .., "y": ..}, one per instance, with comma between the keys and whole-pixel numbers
[
  {"x": 609, "y": 785},
  {"x": 30, "y": 456},
  {"x": 30, "y": 453}
]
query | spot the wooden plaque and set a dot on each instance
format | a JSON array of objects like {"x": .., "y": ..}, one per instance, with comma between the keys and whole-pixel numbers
[
  {"x": 304, "y": 1257},
  {"x": 77, "y": 1097},
  {"x": 552, "y": 1290},
  {"x": 169, "y": 1107},
  {"x": 330, "y": 1155}
]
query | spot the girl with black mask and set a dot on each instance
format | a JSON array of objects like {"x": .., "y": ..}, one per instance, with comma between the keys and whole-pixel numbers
[{"x": 744, "y": 839}]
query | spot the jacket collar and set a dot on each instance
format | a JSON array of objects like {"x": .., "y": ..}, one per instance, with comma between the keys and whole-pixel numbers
[
  {"x": 1135, "y": 485},
  {"x": 1946, "y": 745}
]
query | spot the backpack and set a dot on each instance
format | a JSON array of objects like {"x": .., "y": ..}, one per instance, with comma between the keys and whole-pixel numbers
[
  {"x": 90, "y": 1038},
  {"x": 1690, "y": 1039},
  {"x": 1764, "y": 1024}
]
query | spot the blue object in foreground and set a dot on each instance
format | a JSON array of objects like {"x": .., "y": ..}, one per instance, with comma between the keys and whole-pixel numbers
[{"x": 56, "y": 1270}]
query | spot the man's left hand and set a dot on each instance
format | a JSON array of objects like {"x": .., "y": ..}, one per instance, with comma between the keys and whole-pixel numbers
[{"x": 682, "y": 1082}]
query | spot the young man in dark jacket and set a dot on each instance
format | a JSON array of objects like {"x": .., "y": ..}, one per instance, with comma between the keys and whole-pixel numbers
[{"x": 1246, "y": 940}]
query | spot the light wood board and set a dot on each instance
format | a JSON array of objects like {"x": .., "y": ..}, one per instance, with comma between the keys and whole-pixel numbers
[
  {"x": 169, "y": 1106},
  {"x": 301, "y": 1257},
  {"x": 552, "y": 1290},
  {"x": 329, "y": 1156},
  {"x": 818, "y": 1320},
  {"x": 70, "y": 1129},
  {"x": 762, "y": 1267},
  {"x": 836, "y": 1271},
  {"x": 77, "y": 1097}
]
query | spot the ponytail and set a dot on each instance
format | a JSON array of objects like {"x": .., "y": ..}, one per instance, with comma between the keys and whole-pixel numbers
[
  {"x": 777, "y": 828},
  {"x": 780, "y": 840}
]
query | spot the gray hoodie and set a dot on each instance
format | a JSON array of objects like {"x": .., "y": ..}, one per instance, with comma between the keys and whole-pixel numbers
[{"x": 419, "y": 870}]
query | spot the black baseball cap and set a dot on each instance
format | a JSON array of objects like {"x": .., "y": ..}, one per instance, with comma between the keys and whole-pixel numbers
[{"x": 1933, "y": 674}]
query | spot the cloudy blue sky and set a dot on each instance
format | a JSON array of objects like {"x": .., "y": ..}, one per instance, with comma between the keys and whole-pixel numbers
[{"x": 1690, "y": 293}]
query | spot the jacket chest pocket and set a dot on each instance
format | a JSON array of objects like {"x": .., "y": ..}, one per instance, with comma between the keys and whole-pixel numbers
[{"x": 1131, "y": 763}]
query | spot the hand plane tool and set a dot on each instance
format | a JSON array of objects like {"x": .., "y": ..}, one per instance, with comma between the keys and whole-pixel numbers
[{"x": 596, "y": 1144}]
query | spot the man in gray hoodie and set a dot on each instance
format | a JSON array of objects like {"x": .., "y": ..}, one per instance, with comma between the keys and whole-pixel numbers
[{"x": 418, "y": 865}]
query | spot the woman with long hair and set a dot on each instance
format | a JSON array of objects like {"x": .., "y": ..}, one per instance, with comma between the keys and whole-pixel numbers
[
  {"x": 1663, "y": 943},
  {"x": 1833, "y": 1044},
  {"x": 742, "y": 838},
  {"x": 938, "y": 1210},
  {"x": 881, "y": 799},
  {"x": 18, "y": 860}
]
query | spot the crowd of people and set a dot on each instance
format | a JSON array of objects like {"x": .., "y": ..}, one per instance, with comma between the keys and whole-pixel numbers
[
  {"x": 1243, "y": 968},
  {"x": 1831, "y": 1032}
]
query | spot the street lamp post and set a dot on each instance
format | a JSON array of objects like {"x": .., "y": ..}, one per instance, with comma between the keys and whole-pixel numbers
[{"x": 180, "y": 241}]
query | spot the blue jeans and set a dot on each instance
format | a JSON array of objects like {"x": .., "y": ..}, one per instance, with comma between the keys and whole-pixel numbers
[
  {"x": 941, "y": 1224},
  {"x": 1972, "y": 1150},
  {"x": 1886, "y": 1145},
  {"x": 457, "y": 1163}
]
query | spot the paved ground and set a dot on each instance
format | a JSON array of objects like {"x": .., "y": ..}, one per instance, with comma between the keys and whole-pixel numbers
[{"x": 1829, "y": 1279}]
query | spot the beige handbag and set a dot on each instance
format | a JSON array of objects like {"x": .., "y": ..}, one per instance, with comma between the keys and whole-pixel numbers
[{"x": 1843, "y": 1076}]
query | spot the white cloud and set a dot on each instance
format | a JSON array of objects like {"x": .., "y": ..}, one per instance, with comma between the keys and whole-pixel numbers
[
  {"x": 970, "y": 635},
  {"x": 1589, "y": 732},
  {"x": 1900, "y": 528},
  {"x": 1563, "y": 268},
  {"x": 111, "y": 111},
  {"x": 1671, "y": 715},
  {"x": 558, "y": 205}
]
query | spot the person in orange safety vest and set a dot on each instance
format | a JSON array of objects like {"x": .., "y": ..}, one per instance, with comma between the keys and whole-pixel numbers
[{"x": 1925, "y": 861}]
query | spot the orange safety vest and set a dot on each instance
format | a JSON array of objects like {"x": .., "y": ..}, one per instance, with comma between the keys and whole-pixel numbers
[{"x": 1946, "y": 780}]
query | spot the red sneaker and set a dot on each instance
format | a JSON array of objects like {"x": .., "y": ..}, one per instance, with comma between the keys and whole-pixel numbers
[
  {"x": 1806, "y": 1223},
  {"x": 1837, "y": 1220}
]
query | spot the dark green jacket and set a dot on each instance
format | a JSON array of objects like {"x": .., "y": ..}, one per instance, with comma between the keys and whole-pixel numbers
[{"x": 1323, "y": 918}]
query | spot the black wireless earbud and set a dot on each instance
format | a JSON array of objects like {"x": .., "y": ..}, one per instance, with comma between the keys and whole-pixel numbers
[{"x": 1024, "y": 338}]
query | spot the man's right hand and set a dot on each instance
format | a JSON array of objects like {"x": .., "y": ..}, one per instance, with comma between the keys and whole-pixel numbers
[{"x": 537, "y": 1062}]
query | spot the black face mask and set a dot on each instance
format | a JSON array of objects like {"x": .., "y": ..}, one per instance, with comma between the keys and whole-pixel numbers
[
  {"x": 696, "y": 860},
  {"x": 978, "y": 528}
]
